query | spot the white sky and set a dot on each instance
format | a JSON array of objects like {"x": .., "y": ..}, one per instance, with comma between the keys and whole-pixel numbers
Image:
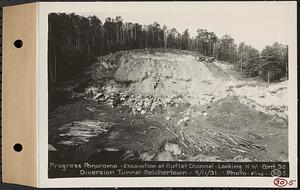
[{"x": 257, "y": 24}]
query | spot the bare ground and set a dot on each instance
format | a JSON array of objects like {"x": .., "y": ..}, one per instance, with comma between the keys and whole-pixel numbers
[{"x": 199, "y": 110}]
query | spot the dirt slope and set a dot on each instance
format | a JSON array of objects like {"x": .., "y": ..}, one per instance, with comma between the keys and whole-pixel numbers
[
  {"x": 169, "y": 99},
  {"x": 176, "y": 74},
  {"x": 169, "y": 74}
]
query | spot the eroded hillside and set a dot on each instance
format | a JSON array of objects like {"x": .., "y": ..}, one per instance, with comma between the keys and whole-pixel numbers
[{"x": 167, "y": 105}]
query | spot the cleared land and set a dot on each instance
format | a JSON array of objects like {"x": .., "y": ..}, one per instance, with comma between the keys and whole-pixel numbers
[{"x": 167, "y": 105}]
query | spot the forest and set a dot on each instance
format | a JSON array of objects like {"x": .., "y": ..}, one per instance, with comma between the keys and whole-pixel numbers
[{"x": 76, "y": 41}]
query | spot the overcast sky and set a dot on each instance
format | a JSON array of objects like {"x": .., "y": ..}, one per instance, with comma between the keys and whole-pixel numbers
[{"x": 257, "y": 24}]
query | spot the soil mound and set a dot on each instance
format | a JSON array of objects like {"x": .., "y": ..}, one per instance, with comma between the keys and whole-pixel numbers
[
  {"x": 169, "y": 74},
  {"x": 167, "y": 105}
]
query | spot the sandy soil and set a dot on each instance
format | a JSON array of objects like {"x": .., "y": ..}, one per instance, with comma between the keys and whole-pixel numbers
[{"x": 199, "y": 109}]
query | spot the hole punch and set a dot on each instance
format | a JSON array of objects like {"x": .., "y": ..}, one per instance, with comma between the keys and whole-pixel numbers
[
  {"x": 18, "y": 43},
  {"x": 18, "y": 147}
]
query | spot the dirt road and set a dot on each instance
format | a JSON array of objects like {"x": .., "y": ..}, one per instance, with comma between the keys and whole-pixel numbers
[{"x": 218, "y": 72}]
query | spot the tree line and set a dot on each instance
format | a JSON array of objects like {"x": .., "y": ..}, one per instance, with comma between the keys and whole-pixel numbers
[{"x": 75, "y": 41}]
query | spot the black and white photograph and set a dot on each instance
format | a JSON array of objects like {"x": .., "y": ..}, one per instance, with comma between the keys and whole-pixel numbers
[{"x": 206, "y": 85}]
